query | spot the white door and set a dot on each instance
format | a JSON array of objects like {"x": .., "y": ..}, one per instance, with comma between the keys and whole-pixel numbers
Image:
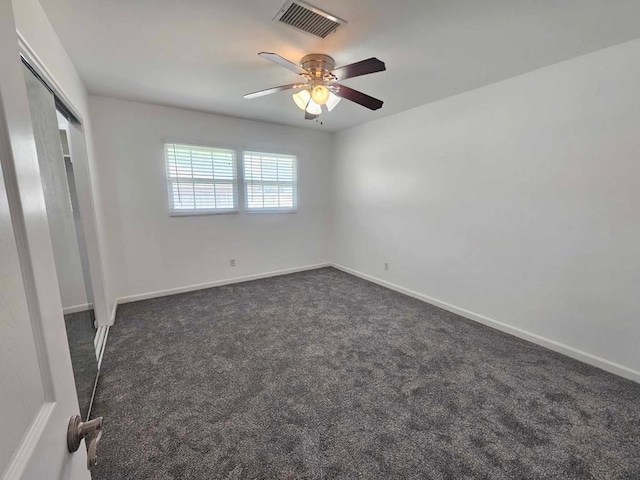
[{"x": 37, "y": 390}]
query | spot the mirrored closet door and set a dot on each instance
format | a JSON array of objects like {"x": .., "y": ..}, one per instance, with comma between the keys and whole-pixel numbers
[{"x": 51, "y": 130}]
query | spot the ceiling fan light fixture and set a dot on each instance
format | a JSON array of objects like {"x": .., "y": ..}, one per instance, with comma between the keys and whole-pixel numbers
[
  {"x": 320, "y": 94},
  {"x": 302, "y": 99},
  {"x": 333, "y": 101}
]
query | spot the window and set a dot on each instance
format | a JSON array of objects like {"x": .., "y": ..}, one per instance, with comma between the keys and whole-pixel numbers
[
  {"x": 271, "y": 182},
  {"x": 201, "y": 179}
]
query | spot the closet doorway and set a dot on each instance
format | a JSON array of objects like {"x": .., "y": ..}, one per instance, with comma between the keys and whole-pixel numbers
[{"x": 60, "y": 146}]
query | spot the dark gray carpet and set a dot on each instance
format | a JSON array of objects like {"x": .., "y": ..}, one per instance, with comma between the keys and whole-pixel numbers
[
  {"x": 323, "y": 375},
  {"x": 80, "y": 334}
]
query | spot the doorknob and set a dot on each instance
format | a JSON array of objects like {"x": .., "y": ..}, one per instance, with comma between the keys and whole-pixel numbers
[{"x": 91, "y": 431}]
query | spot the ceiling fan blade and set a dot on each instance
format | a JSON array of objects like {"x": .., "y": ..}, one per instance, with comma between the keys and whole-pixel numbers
[
  {"x": 364, "y": 67},
  {"x": 283, "y": 62},
  {"x": 268, "y": 91},
  {"x": 357, "y": 97}
]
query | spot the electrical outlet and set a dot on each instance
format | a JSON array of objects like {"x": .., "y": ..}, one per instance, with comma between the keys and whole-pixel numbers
[
  {"x": 232, "y": 262},
  {"x": 386, "y": 266}
]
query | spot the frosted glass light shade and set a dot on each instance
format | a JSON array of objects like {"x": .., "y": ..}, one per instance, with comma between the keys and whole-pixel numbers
[
  {"x": 302, "y": 99},
  {"x": 333, "y": 101},
  {"x": 313, "y": 108}
]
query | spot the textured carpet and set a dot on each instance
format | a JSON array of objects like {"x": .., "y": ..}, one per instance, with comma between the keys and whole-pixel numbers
[
  {"x": 323, "y": 375},
  {"x": 80, "y": 334}
]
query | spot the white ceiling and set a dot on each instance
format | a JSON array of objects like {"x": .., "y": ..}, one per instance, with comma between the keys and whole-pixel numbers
[{"x": 201, "y": 54}]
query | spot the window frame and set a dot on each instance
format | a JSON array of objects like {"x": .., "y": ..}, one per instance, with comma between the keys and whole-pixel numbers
[
  {"x": 268, "y": 210},
  {"x": 202, "y": 211}
]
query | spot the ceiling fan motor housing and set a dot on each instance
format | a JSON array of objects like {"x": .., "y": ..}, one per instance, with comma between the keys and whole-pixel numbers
[{"x": 319, "y": 65}]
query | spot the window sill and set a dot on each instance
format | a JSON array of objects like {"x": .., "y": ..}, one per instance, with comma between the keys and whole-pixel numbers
[
  {"x": 266, "y": 210},
  {"x": 193, "y": 213}
]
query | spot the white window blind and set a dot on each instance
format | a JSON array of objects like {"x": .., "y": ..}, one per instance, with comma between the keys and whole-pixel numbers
[
  {"x": 201, "y": 179},
  {"x": 271, "y": 182}
]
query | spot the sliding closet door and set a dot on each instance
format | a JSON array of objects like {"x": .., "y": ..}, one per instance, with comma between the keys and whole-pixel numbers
[
  {"x": 66, "y": 253},
  {"x": 65, "y": 225}
]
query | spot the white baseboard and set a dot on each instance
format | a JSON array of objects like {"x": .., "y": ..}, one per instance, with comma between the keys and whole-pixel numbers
[
  {"x": 216, "y": 283},
  {"x": 585, "y": 357},
  {"x": 77, "y": 308}
]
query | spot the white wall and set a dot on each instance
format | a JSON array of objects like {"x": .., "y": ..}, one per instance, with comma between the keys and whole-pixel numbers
[
  {"x": 518, "y": 202},
  {"x": 153, "y": 252},
  {"x": 36, "y": 30}
]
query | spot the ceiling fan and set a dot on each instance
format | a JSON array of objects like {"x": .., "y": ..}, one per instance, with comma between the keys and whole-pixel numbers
[{"x": 320, "y": 86}]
